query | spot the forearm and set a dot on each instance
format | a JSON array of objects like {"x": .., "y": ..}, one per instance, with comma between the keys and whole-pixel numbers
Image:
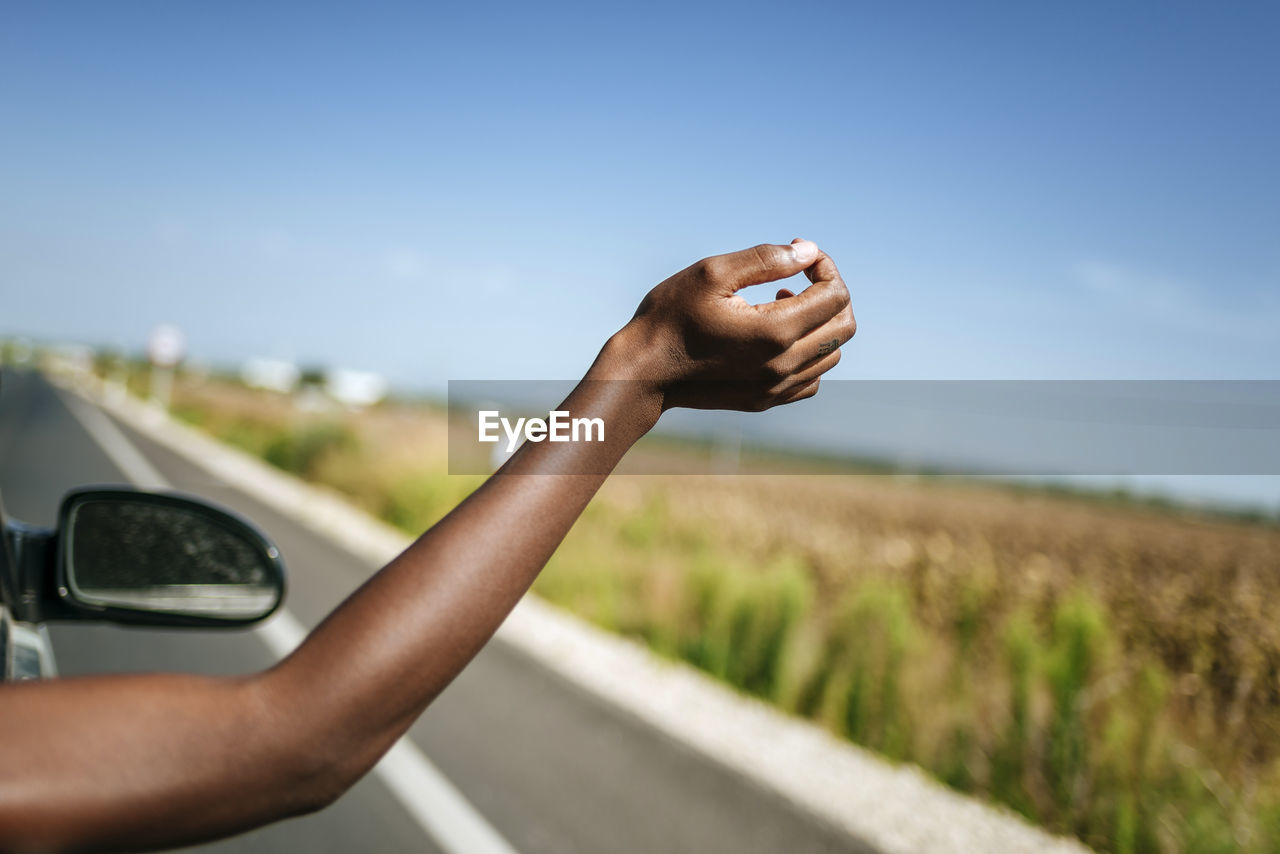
[{"x": 401, "y": 638}]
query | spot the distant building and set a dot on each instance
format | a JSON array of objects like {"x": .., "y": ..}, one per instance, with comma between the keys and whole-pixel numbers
[
  {"x": 314, "y": 387},
  {"x": 355, "y": 388},
  {"x": 271, "y": 374}
]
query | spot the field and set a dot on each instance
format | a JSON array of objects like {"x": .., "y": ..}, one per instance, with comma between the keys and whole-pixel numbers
[{"x": 1108, "y": 669}]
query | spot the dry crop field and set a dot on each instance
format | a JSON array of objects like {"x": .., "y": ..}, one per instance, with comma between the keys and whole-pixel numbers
[{"x": 1106, "y": 668}]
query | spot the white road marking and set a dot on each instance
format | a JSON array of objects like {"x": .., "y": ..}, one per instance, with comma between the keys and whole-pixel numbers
[
  {"x": 132, "y": 464},
  {"x": 425, "y": 793}
]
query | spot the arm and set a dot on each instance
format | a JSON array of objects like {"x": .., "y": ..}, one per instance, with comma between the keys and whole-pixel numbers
[{"x": 133, "y": 762}]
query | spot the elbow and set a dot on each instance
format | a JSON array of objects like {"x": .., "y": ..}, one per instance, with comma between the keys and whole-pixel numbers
[
  {"x": 321, "y": 786},
  {"x": 311, "y": 779},
  {"x": 312, "y": 765},
  {"x": 323, "y": 776},
  {"x": 313, "y": 800}
]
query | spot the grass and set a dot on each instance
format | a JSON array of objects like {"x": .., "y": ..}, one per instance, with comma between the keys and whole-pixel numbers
[{"x": 1110, "y": 671}]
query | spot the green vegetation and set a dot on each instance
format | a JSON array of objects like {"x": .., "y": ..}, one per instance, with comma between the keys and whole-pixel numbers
[
  {"x": 299, "y": 448},
  {"x": 1109, "y": 672},
  {"x": 1056, "y": 725}
]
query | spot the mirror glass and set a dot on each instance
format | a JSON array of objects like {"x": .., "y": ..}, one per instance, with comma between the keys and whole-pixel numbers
[{"x": 171, "y": 557}]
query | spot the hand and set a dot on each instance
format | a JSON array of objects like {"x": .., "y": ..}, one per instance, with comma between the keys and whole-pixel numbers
[{"x": 705, "y": 347}]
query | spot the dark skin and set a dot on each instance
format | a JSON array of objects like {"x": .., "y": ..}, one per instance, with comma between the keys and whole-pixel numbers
[{"x": 167, "y": 760}]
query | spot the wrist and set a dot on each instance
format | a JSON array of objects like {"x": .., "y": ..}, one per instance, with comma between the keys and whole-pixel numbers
[
  {"x": 633, "y": 360},
  {"x": 633, "y": 353}
]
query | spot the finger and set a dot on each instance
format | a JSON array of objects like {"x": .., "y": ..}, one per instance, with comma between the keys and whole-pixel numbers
[
  {"x": 807, "y": 390},
  {"x": 789, "y": 319},
  {"x": 816, "y": 343},
  {"x": 767, "y": 262},
  {"x": 822, "y": 341},
  {"x": 784, "y": 293},
  {"x": 823, "y": 269},
  {"x": 807, "y": 374}
]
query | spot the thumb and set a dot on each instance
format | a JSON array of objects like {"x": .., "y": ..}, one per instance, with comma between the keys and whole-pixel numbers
[{"x": 767, "y": 262}]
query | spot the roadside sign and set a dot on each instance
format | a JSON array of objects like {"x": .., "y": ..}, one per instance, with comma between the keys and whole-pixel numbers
[{"x": 166, "y": 346}]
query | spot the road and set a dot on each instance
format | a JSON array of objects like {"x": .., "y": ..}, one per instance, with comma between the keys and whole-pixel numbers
[{"x": 548, "y": 766}]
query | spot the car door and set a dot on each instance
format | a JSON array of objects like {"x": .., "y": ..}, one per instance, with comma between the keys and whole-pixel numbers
[{"x": 25, "y": 648}]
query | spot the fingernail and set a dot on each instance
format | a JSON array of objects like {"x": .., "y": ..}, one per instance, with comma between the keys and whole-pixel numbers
[{"x": 806, "y": 251}]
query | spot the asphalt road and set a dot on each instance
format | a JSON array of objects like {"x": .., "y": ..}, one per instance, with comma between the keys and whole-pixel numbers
[{"x": 550, "y": 767}]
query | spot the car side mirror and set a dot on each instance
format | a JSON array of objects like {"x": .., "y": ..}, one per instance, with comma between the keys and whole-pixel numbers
[{"x": 158, "y": 559}]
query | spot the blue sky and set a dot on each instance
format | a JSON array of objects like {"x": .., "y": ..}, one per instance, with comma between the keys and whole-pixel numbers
[{"x": 486, "y": 191}]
